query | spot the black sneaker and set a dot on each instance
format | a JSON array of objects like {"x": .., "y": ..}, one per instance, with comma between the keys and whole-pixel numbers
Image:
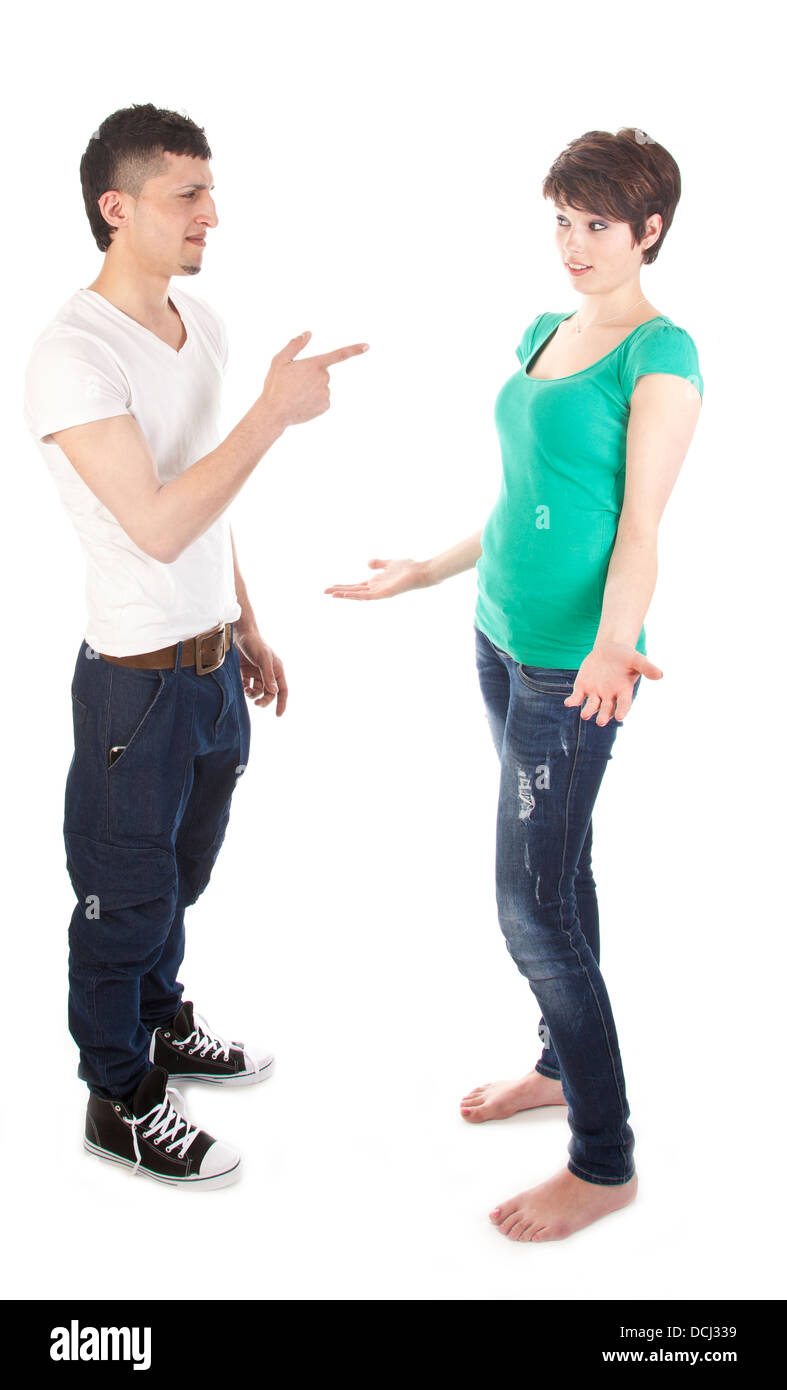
[
  {"x": 150, "y": 1135},
  {"x": 189, "y": 1051}
]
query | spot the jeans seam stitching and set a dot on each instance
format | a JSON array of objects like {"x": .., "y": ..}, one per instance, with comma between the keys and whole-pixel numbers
[
  {"x": 102, "y": 745},
  {"x": 592, "y": 1177},
  {"x": 573, "y": 947}
]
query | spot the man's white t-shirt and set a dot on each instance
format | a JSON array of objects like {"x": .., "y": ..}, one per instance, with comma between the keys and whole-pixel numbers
[{"x": 91, "y": 362}]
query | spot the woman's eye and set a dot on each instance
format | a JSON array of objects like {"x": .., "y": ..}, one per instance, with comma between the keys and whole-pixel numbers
[{"x": 602, "y": 225}]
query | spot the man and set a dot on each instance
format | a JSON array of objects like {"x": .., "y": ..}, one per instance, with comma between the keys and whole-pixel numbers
[{"x": 122, "y": 393}]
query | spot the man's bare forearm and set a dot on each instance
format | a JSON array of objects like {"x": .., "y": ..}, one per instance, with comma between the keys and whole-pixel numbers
[
  {"x": 294, "y": 391},
  {"x": 631, "y": 580},
  {"x": 454, "y": 561},
  {"x": 187, "y": 505},
  {"x": 247, "y": 621}
]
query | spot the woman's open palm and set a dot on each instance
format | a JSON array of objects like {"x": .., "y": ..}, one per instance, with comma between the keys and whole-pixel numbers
[{"x": 393, "y": 577}]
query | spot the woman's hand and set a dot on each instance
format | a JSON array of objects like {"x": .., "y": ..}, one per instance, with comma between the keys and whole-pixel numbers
[
  {"x": 395, "y": 577},
  {"x": 606, "y": 681}
]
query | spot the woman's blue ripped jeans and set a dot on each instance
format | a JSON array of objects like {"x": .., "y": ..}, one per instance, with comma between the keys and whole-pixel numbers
[
  {"x": 552, "y": 762},
  {"x": 141, "y": 838}
]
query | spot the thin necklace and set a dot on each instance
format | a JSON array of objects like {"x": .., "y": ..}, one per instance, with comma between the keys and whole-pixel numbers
[{"x": 611, "y": 317}]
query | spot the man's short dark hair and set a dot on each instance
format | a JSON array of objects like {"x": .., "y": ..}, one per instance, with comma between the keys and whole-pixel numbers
[{"x": 127, "y": 149}]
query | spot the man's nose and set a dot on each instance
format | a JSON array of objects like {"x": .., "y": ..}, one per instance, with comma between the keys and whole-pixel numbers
[{"x": 209, "y": 215}]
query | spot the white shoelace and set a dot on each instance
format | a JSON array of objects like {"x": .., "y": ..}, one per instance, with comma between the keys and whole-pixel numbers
[
  {"x": 164, "y": 1122},
  {"x": 205, "y": 1041}
]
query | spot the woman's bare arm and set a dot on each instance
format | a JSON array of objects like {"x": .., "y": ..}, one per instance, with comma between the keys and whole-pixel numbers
[
  {"x": 398, "y": 576},
  {"x": 664, "y": 414}
]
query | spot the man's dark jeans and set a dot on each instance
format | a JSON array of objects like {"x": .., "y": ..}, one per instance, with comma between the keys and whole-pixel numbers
[
  {"x": 552, "y": 763},
  {"x": 141, "y": 839}
]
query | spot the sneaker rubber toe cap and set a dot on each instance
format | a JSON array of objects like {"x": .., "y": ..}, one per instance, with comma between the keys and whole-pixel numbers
[
  {"x": 264, "y": 1060},
  {"x": 221, "y": 1160}
]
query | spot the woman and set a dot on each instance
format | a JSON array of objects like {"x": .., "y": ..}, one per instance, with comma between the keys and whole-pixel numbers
[{"x": 593, "y": 430}]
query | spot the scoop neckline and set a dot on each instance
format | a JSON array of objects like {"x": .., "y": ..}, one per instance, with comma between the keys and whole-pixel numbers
[
  {"x": 176, "y": 352},
  {"x": 598, "y": 361}
]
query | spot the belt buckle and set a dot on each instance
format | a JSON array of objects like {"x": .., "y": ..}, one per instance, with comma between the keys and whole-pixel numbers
[{"x": 201, "y": 668}]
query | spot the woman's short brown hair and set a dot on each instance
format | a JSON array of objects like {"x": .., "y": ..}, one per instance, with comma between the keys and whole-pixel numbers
[{"x": 626, "y": 177}]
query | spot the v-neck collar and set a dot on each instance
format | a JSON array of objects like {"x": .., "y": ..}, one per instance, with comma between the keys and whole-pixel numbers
[{"x": 174, "y": 352}]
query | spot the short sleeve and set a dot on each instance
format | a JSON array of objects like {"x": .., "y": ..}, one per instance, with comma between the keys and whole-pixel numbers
[
  {"x": 663, "y": 348},
  {"x": 72, "y": 379},
  {"x": 526, "y": 342}
]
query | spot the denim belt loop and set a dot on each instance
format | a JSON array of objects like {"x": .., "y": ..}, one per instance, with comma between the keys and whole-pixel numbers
[{"x": 178, "y": 655}]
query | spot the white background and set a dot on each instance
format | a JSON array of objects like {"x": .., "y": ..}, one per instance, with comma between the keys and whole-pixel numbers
[{"x": 378, "y": 177}]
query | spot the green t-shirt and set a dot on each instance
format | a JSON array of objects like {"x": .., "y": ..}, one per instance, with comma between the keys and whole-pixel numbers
[{"x": 547, "y": 544}]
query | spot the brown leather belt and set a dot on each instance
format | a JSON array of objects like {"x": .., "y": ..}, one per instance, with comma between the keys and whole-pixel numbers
[{"x": 206, "y": 651}]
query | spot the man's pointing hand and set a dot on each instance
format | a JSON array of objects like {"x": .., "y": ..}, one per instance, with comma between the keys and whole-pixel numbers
[{"x": 296, "y": 391}]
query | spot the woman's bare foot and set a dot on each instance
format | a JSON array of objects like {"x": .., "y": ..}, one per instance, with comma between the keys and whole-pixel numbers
[
  {"x": 500, "y": 1099},
  {"x": 559, "y": 1207}
]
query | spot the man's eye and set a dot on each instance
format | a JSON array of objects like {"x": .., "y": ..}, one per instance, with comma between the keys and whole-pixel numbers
[{"x": 193, "y": 194}]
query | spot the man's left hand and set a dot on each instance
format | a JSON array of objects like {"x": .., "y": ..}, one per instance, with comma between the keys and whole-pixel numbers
[{"x": 262, "y": 670}]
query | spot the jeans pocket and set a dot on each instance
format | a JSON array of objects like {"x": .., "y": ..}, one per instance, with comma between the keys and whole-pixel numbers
[
  {"x": 132, "y": 696},
  {"x": 153, "y": 718},
  {"x": 547, "y": 680},
  {"x": 483, "y": 642},
  {"x": 128, "y": 897},
  {"x": 78, "y": 713}
]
